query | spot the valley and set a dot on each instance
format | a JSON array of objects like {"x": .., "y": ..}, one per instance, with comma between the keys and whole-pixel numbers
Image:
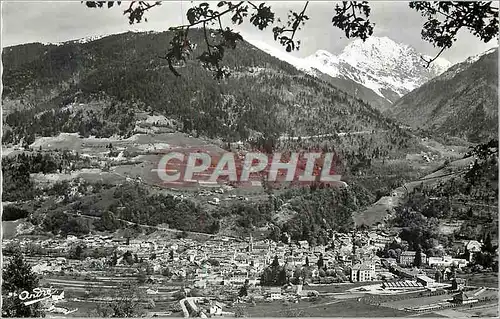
[{"x": 84, "y": 206}]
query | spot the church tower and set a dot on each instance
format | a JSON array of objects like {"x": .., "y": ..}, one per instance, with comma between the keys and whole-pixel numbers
[{"x": 250, "y": 246}]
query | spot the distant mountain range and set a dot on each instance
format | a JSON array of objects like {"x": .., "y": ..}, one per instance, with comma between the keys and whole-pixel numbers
[
  {"x": 98, "y": 88},
  {"x": 265, "y": 97},
  {"x": 463, "y": 101},
  {"x": 117, "y": 86},
  {"x": 390, "y": 69},
  {"x": 459, "y": 100},
  {"x": 378, "y": 71}
]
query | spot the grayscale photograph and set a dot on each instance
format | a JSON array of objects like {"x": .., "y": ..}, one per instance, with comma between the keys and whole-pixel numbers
[{"x": 249, "y": 159}]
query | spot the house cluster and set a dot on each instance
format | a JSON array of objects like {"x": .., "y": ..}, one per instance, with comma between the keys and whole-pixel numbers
[
  {"x": 234, "y": 263},
  {"x": 62, "y": 245},
  {"x": 447, "y": 261},
  {"x": 455, "y": 258},
  {"x": 409, "y": 259},
  {"x": 288, "y": 292},
  {"x": 221, "y": 260}
]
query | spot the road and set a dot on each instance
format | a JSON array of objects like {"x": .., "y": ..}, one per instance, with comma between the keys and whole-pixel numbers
[
  {"x": 295, "y": 138},
  {"x": 464, "y": 312},
  {"x": 143, "y": 225},
  {"x": 192, "y": 304}
]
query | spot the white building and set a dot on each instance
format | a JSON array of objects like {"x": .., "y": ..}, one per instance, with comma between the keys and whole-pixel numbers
[
  {"x": 446, "y": 261},
  {"x": 275, "y": 293},
  {"x": 362, "y": 272}
]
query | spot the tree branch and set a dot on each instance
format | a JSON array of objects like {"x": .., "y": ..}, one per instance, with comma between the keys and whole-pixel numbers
[
  {"x": 351, "y": 6},
  {"x": 210, "y": 18},
  {"x": 301, "y": 14},
  {"x": 433, "y": 59},
  {"x": 253, "y": 5},
  {"x": 149, "y": 6},
  {"x": 206, "y": 38},
  {"x": 220, "y": 23}
]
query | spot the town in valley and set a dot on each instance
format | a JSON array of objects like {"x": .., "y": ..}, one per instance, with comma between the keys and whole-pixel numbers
[{"x": 389, "y": 125}]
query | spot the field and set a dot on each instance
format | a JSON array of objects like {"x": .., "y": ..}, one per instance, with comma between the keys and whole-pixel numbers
[
  {"x": 135, "y": 158},
  {"x": 443, "y": 299},
  {"x": 322, "y": 308},
  {"x": 486, "y": 279},
  {"x": 482, "y": 311},
  {"x": 415, "y": 302},
  {"x": 103, "y": 285},
  {"x": 338, "y": 288},
  {"x": 86, "y": 308},
  {"x": 9, "y": 228},
  {"x": 75, "y": 297},
  {"x": 431, "y": 315}
]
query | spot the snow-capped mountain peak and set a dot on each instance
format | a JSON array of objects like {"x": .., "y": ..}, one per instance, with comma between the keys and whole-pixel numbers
[
  {"x": 388, "y": 68},
  {"x": 460, "y": 67},
  {"x": 476, "y": 57},
  {"x": 373, "y": 48},
  {"x": 324, "y": 54}
]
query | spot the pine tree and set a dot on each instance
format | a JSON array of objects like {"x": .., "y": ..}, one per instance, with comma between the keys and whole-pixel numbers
[
  {"x": 488, "y": 246},
  {"x": 114, "y": 259},
  {"x": 320, "y": 262},
  {"x": 78, "y": 252},
  {"x": 417, "y": 262},
  {"x": 282, "y": 278},
  {"x": 127, "y": 235},
  {"x": 438, "y": 276},
  {"x": 127, "y": 256},
  {"x": 275, "y": 263},
  {"x": 244, "y": 289},
  {"x": 17, "y": 277}
]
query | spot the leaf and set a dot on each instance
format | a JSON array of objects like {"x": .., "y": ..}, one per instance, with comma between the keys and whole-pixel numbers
[{"x": 191, "y": 15}]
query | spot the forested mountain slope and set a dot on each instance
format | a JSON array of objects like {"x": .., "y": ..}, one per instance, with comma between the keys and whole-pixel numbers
[
  {"x": 104, "y": 88},
  {"x": 461, "y": 102},
  {"x": 124, "y": 71}
]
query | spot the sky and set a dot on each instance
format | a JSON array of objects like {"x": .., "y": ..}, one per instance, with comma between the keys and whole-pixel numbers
[{"x": 57, "y": 21}]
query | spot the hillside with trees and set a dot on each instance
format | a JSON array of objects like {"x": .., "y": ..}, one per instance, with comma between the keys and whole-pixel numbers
[
  {"x": 98, "y": 88},
  {"x": 120, "y": 75},
  {"x": 461, "y": 102},
  {"x": 470, "y": 196}
]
